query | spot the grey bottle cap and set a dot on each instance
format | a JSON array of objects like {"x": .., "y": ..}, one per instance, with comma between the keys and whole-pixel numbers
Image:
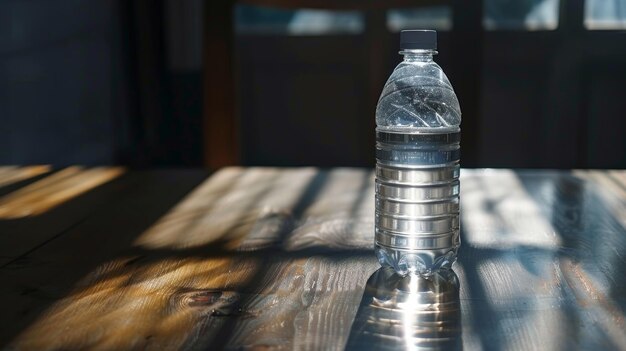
[{"x": 424, "y": 39}]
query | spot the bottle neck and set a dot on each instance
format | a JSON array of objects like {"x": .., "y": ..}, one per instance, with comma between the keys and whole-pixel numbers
[{"x": 416, "y": 55}]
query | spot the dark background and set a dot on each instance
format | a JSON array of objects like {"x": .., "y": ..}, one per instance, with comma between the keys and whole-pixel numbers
[{"x": 166, "y": 83}]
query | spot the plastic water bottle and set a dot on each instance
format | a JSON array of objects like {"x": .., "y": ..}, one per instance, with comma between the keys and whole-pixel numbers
[{"x": 417, "y": 162}]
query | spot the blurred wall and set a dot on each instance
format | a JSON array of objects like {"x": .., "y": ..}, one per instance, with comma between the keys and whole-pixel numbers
[
  {"x": 101, "y": 82},
  {"x": 62, "y": 86},
  {"x": 540, "y": 86},
  {"x": 120, "y": 82}
]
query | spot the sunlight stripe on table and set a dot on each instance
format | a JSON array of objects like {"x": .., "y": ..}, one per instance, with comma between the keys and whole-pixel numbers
[
  {"x": 54, "y": 190},
  {"x": 14, "y": 174}
]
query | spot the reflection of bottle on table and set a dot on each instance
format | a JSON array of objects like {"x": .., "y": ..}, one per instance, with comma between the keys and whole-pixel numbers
[
  {"x": 417, "y": 162},
  {"x": 410, "y": 312}
]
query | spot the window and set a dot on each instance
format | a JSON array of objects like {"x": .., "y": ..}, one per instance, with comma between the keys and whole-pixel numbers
[
  {"x": 605, "y": 14},
  {"x": 521, "y": 14},
  {"x": 265, "y": 20},
  {"x": 434, "y": 17}
]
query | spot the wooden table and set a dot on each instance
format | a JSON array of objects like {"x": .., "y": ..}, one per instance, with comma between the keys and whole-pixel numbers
[{"x": 264, "y": 258}]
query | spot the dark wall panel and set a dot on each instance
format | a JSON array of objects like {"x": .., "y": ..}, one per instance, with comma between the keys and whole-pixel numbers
[
  {"x": 57, "y": 76},
  {"x": 605, "y": 132},
  {"x": 303, "y": 115}
]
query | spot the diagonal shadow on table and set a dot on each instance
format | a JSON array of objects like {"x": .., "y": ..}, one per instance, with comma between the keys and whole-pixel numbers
[
  {"x": 139, "y": 257},
  {"x": 33, "y": 281},
  {"x": 509, "y": 290},
  {"x": 592, "y": 252},
  {"x": 212, "y": 294}
]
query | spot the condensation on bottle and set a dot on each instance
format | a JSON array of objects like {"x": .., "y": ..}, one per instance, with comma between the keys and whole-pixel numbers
[{"x": 417, "y": 162}]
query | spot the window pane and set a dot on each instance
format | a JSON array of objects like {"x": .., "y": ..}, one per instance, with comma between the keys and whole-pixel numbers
[
  {"x": 521, "y": 14},
  {"x": 265, "y": 20},
  {"x": 605, "y": 14},
  {"x": 434, "y": 17}
]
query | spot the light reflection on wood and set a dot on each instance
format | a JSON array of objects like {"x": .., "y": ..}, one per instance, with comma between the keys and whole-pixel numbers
[
  {"x": 197, "y": 299},
  {"x": 608, "y": 184},
  {"x": 350, "y": 225},
  {"x": 129, "y": 304},
  {"x": 599, "y": 305},
  {"x": 521, "y": 233},
  {"x": 14, "y": 174},
  {"x": 271, "y": 258},
  {"x": 498, "y": 212},
  {"x": 51, "y": 191},
  {"x": 310, "y": 308},
  {"x": 498, "y": 215},
  {"x": 227, "y": 207}
]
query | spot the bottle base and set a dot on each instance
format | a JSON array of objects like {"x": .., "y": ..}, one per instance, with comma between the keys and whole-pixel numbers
[{"x": 424, "y": 263}]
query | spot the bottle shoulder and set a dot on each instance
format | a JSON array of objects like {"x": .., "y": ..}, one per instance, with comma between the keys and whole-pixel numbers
[
  {"x": 418, "y": 95},
  {"x": 419, "y": 69}
]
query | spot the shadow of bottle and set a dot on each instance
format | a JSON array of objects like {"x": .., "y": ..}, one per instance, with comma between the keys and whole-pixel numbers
[{"x": 411, "y": 313}]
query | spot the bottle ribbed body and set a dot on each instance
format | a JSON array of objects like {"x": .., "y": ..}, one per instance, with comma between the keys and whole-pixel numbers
[{"x": 417, "y": 199}]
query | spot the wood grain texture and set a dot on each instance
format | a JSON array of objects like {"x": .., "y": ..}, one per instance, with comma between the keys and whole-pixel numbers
[
  {"x": 61, "y": 199},
  {"x": 113, "y": 216},
  {"x": 226, "y": 243},
  {"x": 611, "y": 186},
  {"x": 13, "y": 174},
  {"x": 541, "y": 264},
  {"x": 267, "y": 258}
]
